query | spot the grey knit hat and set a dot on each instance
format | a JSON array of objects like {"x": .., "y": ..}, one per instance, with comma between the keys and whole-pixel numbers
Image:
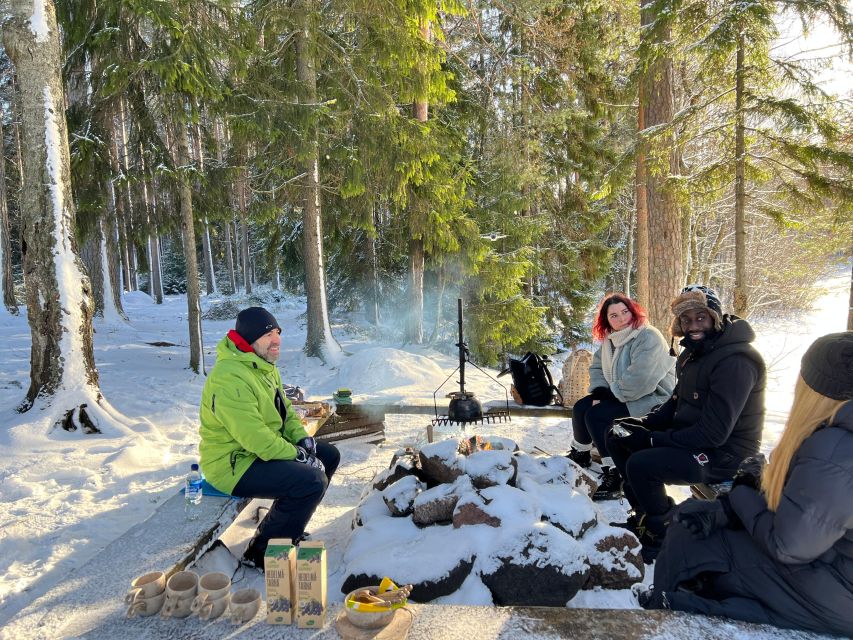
[
  {"x": 827, "y": 366},
  {"x": 700, "y": 297},
  {"x": 254, "y": 322}
]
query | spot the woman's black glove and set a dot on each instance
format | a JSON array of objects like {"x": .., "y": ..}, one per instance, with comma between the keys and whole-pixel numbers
[
  {"x": 602, "y": 393},
  {"x": 701, "y": 517},
  {"x": 749, "y": 472}
]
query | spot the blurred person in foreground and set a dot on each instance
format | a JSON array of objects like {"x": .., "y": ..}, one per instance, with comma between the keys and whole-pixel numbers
[
  {"x": 631, "y": 373},
  {"x": 711, "y": 423},
  {"x": 253, "y": 444},
  {"x": 778, "y": 548}
]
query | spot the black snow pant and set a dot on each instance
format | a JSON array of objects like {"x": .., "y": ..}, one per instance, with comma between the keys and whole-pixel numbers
[
  {"x": 740, "y": 581},
  {"x": 591, "y": 423},
  {"x": 646, "y": 472},
  {"x": 296, "y": 489}
]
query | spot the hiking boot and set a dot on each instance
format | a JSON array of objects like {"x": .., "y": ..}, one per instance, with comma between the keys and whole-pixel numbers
[
  {"x": 630, "y": 524},
  {"x": 581, "y": 458},
  {"x": 651, "y": 531},
  {"x": 648, "y": 597},
  {"x": 253, "y": 556},
  {"x": 610, "y": 487}
]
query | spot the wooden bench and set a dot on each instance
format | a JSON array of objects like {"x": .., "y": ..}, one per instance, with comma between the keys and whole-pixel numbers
[
  {"x": 94, "y": 592},
  {"x": 704, "y": 491}
]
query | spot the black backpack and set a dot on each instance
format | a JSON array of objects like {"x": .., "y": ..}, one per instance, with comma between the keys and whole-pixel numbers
[{"x": 532, "y": 380}]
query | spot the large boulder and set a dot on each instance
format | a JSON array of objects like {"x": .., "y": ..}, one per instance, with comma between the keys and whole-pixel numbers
[
  {"x": 435, "y": 506},
  {"x": 562, "y": 506},
  {"x": 451, "y": 557},
  {"x": 400, "y": 496},
  {"x": 402, "y": 465},
  {"x": 614, "y": 558},
  {"x": 441, "y": 461},
  {"x": 471, "y": 510},
  {"x": 491, "y": 468},
  {"x": 542, "y": 567}
]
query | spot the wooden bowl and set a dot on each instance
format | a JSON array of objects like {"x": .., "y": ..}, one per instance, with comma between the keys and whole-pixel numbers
[{"x": 367, "y": 619}]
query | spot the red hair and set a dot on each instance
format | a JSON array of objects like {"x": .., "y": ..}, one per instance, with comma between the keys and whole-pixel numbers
[{"x": 601, "y": 327}]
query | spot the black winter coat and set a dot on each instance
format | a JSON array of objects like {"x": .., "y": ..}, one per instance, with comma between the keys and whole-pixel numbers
[
  {"x": 718, "y": 402},
  {"x": 792, "y": 567}
]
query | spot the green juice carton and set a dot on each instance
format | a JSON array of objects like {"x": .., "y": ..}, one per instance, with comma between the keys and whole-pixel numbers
[
  {"x": 280, "y": 573},
  {"x": 311, "y": 585}
]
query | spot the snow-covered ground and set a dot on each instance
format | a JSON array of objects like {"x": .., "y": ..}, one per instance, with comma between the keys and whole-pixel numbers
[{"x": 66, "y": 496}]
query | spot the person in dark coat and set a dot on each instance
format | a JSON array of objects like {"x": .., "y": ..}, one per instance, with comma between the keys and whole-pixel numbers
[
  {"x": 778, "y": 550},
  {"x": 711, "y": 423}
]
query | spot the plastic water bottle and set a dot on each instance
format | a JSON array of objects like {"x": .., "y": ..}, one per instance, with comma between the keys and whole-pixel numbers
[{"x": 192, "y": 493}]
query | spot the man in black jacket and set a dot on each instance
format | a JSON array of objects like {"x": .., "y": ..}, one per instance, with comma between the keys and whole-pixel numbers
[{"x": 710, "y": 424}]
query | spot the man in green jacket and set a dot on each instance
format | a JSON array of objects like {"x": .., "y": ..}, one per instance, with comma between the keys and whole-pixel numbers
[{"x": 253, "y": 444}]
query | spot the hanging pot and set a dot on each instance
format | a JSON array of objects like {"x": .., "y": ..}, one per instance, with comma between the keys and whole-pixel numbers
[{"x": 464, "y": 407}]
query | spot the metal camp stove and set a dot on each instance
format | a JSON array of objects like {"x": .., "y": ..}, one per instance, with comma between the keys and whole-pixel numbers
[{"x": 464, "y": 408}]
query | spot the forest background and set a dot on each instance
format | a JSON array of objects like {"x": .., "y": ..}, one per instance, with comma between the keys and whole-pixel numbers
[{"x": 390, "y": 156}]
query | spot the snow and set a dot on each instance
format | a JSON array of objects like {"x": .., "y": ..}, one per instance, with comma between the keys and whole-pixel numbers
[
  {"x": 38, "y": 21},
  {"x": 65, "y": 496}
]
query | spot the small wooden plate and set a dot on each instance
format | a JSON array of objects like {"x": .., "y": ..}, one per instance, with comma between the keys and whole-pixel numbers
[{"x": 397, "y": 629}]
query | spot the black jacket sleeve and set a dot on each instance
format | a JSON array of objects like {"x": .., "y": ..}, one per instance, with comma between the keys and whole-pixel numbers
[
  {"x": 730, "y": 384},
  {"x": 661, "y": 417},
  {"x": 815, "y": 511}
]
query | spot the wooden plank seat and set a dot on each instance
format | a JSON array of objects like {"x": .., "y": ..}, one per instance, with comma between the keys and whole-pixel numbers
[{"x": 704, "y": 491}]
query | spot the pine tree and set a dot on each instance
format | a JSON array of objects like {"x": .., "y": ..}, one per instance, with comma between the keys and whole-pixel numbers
[{"x": 59, "y": 300}]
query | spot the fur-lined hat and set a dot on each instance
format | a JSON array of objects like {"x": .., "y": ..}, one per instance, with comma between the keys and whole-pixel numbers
[{"x": 699, "y": 297}]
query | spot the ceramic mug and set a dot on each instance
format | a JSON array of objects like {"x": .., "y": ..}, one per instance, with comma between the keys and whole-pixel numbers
[
  {"x": 145, "y": 607},
  {"x": 244, "y": 605},
  {"x": 146, "y": 586},
  {"x": 211, "y": 586}
]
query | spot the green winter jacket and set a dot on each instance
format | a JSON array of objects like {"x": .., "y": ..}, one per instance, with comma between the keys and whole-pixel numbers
[{"x": 239, "y": 419}]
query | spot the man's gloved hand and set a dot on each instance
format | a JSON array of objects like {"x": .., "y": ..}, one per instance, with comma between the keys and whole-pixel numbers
[
  {"x": 701, "y": 517},
  {"x": 309, "y": 444},
  {"x": 631, "y": 436},
  {"x": 629, "y": 422},
  {"x": 749, "y": 472},
  {"x": 305, "y": 458}
]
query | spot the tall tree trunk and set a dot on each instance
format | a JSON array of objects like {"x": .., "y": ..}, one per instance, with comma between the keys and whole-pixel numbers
[
  {"x": 850, "y": 308},
  {"x": 420, "y": 112},
  {"x": 642, "y": 207},
  {"x": 241, "y": 193},
  {"x": 229, "y": 256},
  {"x": 90, "y": 254},
  {"x": 127, "y": 221},
  {"x": 59, "y": 296},
  {"x": 629, "y": 256},
  {"x": 371, "y": 280},
  {"x": 665, "y": 270},
  {"x": 693, "y": 272},
  {"x": 109, "y": 230},
  {"x": 6, "y": 282},
  {"x": 741, "y": 301},
  {"x": 185, "y": 195},
  {"x": 149, "y": 202},
  {"x": 229, "y": 259},
  {"x": 319, "y": 342},
  {"x": 207, "y": 256}
]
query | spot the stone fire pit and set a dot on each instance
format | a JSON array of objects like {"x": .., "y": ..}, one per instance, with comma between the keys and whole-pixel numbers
[{"x": 482, "y": 518}]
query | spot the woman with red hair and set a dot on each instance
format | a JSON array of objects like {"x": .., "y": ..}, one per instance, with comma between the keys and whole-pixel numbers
[{"x": 631, "y": 373}]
